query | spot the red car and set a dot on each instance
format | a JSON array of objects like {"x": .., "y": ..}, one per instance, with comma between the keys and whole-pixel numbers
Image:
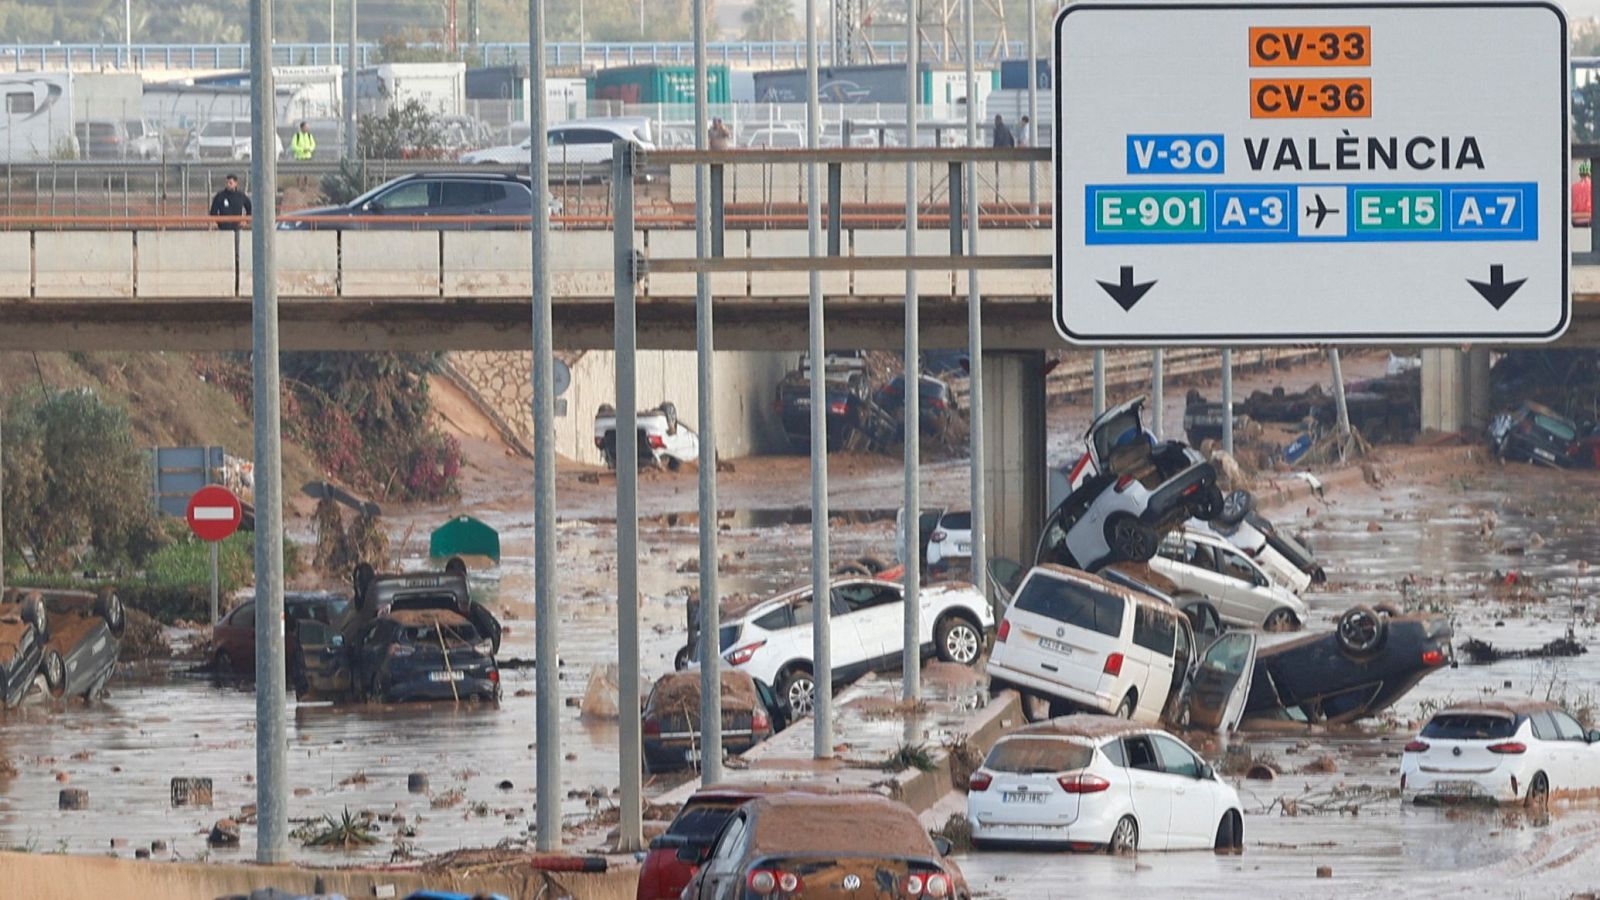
[
  {"x": 670, "y": 866},
  {"x": 233, "y": 639}
]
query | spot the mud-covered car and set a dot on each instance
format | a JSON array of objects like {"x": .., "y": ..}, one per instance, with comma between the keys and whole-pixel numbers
[
  {"x": 1128, "y": 490},
  {"x": 85, "y": 636},
  {"x": 751, "y": 713},
  {"x": 24, "y": 628},
  {"x": 424, "y": 654},
  {"x": 1370, "y": 660},
  {"x": 1536, "y": 434},
  {"x": 799, "y": 844},
  {"x": 380, "y": 594}
]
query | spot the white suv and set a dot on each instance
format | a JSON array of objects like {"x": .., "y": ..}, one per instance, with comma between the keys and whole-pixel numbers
[
  {"x": 582, "y": 142},
  {"x": 772, "y": 641},
  {"x": 1209, "y": 570},
  {"x": 1079, "y": 641}
]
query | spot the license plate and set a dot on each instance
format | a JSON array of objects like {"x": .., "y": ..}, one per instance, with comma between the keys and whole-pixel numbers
[
  {"x": 452, "y": 675},
  {"x": 964, "y": 549},
  {"x": 1544, "y": 454},
  {"x": 1455, "y": 788},
  {"x": 1055, "y": 646},
  {"x": 1020, "y": 797}
]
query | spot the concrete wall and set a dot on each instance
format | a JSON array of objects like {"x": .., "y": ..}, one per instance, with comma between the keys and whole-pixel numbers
[
  {"x": 1014, "y": 447},
  {"x": 746, "y": 383}
]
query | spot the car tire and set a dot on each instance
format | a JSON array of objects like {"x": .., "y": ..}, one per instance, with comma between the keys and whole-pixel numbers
[
  {"x": 958, "y": 641},
  {"x": 1280, "y": 620},
  {"x": 852, "y": 568},
  {"x": 1124, "y": 838},
  {"x": 1361, "y": 631},
  {"x": 55, "y": 673},
  {"x": 875, "y": 564},
  {"x": 680, "y": 660},
  {"x": 34, "y": 613},
  {"x": 1538, "y": 796},
  {"x": 1235, "y": 507},
  {"x": 1130, "y": 540},
  {"x": 799, "y": 689},
  {"x": 1211, "y": 504},
  {"x": 109, "y": 607},
  {"x": 1230, "y": 837},
  {"x": 1386, "y": 609},
  {"x": 1125, "y": 709}
]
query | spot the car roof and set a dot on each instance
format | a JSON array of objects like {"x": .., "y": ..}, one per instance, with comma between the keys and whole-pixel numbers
[
  {"x": 1116, "y": 590},
  {"x": 1509, "y": 707},
  {"x": 461, "y": 176},
  {"x": 1083, "y": 725},
  {"x": 861, "y": 824},
  {"x": 764, "y": 606}
]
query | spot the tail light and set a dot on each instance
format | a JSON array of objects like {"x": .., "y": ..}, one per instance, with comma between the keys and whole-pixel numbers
[
  {"x": 936, "y": 404},
  {"x": 1432, "y": 658},
  {"x": 1123, "y": 482},
  {"x": 1114, "y": 665},
  {"x": 742, "y": 655},
  {"x": 788, "y": 882},
  {"x": 837, "y": 407},
  {"x": 938, "y": 536},
  {"x": 1192, "y": 489},
  {"x": 759, "y": 721},
  {"x": 494, "y": 676},
  {"x": 1417, "y": 747},
  {"x": 652, "y": 727},
  {"x": 1512, "y": 747},
  {"x": 769, "y": 881},
  {"x": 936, "y": 885},
  {"x": 914, "y": 885},
  {"x": 1083, "y": 784},
  {"x": 658, "y": 442},
  {"x": 1004, "y": 632},
  {"x": 979, "y": 781}
]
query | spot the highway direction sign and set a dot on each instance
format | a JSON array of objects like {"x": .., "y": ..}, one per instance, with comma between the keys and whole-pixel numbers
[
  {"x": 1234, "y": 173},
  {"x": 214, "y": 513}
]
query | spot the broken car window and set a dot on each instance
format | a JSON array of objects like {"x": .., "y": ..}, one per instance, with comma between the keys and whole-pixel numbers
[{"x": 1153, "y": 630}]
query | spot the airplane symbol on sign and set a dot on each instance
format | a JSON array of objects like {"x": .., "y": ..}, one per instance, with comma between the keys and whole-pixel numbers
[{"x": 1321, "y": 211}]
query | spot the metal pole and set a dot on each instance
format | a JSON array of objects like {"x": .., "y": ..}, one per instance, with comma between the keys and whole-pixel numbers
[
  {"x": 546, "y": 627},
  {"x": 912, "y": 652},
  {"x": 272, "y": 809},
  {"x": 1227, "y": 401},
  {"x": 980, "y": 555},
  {"x": 1158, "y": 392},
  {"x": 333, "y": 39},
  {"x": 1340, "y": 405},
  {"x": 630, "y": 836},
  {"x": 215, "y": 589},
  {"x": 2, "y": 504},
  {"x": 1099, "y": 382},
  {"x": 821, "y": 611},
  {"x": 127, "y": 28},
  {"x": 705, "y": 346},
  {"x": 352, "y": 144},
  {"x": 1033, "y": 103}
]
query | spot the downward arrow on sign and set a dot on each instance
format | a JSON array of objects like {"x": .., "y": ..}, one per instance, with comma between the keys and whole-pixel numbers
[
  {"x": 1126, "y": 293},
  {"x": 1497, "y": 290}
]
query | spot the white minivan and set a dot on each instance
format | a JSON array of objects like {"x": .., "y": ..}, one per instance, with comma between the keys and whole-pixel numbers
[{"x": 1077, "y": 641}]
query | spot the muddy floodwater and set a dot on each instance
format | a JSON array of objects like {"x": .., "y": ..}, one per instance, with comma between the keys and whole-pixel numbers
[{"x": 1504, "y": 551}]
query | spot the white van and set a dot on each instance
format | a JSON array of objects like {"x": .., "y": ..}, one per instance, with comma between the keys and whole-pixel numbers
[{"x": 1074, "y": 641}]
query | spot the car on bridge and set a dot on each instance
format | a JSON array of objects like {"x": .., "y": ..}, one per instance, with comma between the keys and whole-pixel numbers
[{"x": 503, "y": 201}]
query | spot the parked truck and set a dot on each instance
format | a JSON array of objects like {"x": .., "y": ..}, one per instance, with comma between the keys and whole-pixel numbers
[
  {"x": 441, "y": 88},
  {"x": 37, "y": 118}
]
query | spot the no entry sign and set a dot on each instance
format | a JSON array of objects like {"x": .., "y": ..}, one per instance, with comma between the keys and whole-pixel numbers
[
  {"x": 214, "y": 513},
  {"x": 1273, "y": 172}
]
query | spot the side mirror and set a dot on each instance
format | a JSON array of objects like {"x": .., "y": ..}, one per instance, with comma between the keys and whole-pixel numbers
[
  {"x": 943, "y": 845},
  {"x": 1206, "y": 773}
]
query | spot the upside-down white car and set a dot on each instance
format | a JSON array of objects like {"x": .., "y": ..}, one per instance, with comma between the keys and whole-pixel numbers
[
  {"x": 1510, "y": 751},
  {"x": 1095, "y": 782}
]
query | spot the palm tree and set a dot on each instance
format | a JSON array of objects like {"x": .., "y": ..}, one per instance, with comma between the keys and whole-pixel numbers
[{"x": 769, "y": 20}]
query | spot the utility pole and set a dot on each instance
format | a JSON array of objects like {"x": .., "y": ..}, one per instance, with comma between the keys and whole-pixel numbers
[
  {"x": 272, "y": 788},
  {"x": 911, "y": 661},
  {"x": 352, "y": 145},
  {"x": 821, "y": 612}
]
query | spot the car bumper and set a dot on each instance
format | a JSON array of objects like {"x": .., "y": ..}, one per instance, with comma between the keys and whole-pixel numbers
[
  {"x": 1458, "y": 787},
  {"x": 1002, "y": 674},
  {"x": 990, "y": 824},
  {"x": 668, "y": 755},
  {"x": 421, "y": 688}
]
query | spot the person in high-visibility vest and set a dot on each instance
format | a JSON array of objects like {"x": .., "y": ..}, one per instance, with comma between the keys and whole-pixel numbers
[{"x": 303, "y": 145}]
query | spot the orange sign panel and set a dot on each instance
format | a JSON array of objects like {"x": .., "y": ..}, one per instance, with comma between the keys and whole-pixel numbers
[
  {"x": 1349, "y": 45},
  {"x": 1311, "y": 98}
]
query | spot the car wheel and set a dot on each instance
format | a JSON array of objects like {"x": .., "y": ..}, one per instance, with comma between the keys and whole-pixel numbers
[
  {"x": 33, "y": 612},
  {"x": 1126, "y": 707},
  {"x": 800, "y": 690},
  {"x": 681, "y": 660},
  {"x": 1538, "y": 798},
  {"x": 1129, "y": 538},
  {"x": 109, "y": 607},
  {"x": 852, "y": 568},
  {"x": 55, "y": 673},
  {"x": 1361, "y": 631},
  {"x": 1387, "y": 609},
  {"x": 958, "y": 640},
  {"x": 1235, "y": 507},
  {"x": 875, "y": 564},
  {"x": 1229, "y": 838},
  {"x": 1125, "y": 838},
  {"x": 1211, "y": 504},
  {"x": 1280, "y": 620}
]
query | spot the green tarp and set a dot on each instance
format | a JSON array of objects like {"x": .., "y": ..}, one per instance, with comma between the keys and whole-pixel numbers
[{"x": 464, "y": 536}]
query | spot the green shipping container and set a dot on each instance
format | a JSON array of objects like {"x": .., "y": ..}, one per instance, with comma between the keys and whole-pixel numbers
[{"x": 657, "y": 84}]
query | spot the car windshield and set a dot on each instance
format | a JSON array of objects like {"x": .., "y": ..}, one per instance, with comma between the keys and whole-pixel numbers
[
  {"x": 1035, "y": 756},
  {"x": 1469, "y": 727},
  {"x": 430, "y": 635},
  {"x": 700, "y": 821},
  {"x": 1557, "y": 427},
  {"x": 424, "y": 601},
  {"x": 1072, "y": 603}
]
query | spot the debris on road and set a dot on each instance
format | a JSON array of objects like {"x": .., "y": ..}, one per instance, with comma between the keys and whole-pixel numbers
[{"x": 1480, "y": 652}]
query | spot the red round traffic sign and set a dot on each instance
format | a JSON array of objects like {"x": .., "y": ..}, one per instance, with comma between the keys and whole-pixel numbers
[{"x": 214, "y": 513}]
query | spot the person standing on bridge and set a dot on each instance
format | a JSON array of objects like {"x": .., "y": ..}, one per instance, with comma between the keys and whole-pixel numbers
[
  {"x": 302, "y": 146},
  {"x": 229, "y": 204},
  {"x": 1002, "y": 134},
  {"x": 718, "y": 135},
  {"x": 1025, "y": 133}
]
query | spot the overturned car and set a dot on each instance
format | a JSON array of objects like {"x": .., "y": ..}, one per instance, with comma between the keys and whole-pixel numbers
[
  {"x": 85, "y": 637},
  {"x": 424, "y": 654},
  {"x": 24, "y": 626}
]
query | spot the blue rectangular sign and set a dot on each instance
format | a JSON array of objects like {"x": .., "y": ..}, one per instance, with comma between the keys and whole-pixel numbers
[{"x": 1175, "y": 154}]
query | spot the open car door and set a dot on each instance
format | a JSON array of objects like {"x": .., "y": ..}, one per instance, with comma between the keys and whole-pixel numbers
[
  {"x": 1222, "y": 682},
  {"x": 1005, "y": 576}
]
